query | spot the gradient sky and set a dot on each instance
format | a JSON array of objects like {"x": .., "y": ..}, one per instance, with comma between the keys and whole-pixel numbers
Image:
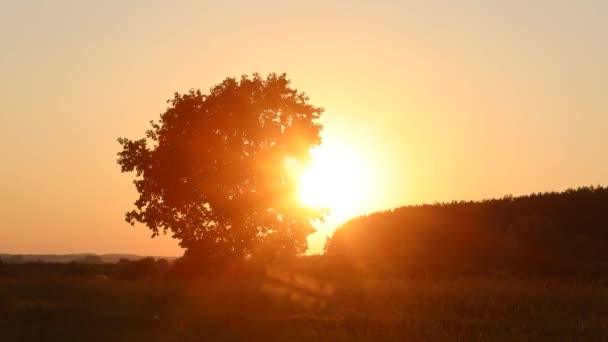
[{"x": 445, "y": 100}]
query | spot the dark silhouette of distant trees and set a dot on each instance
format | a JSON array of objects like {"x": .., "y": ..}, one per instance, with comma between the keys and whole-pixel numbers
[
  {"x": 548, "y": 233},
  {"x": 142, "y": 268},
  {"x": 91, "y": 259},
  {"x": 214, "y": 170},
  {"x": 15, "y": 259}
]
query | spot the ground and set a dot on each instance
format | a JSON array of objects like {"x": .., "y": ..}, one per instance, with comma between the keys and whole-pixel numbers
[{"x": 290, "y": 307}]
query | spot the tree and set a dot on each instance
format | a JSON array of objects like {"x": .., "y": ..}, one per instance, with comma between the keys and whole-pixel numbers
[{"x": 217, "y": 170}]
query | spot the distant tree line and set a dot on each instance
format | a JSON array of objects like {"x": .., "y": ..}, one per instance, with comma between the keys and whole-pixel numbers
[
  {"x": 554, "y": 233},
  {"x": 88, "y": 267}
]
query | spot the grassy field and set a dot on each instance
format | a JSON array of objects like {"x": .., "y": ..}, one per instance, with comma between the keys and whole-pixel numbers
[{"x": 287, "y": 307}]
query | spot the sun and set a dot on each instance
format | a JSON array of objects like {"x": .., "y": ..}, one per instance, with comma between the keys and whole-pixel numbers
[{"x": 337, "y": 179}]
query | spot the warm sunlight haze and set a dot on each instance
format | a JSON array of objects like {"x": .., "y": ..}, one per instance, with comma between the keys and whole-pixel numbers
[
  {"x": 338, "y": 179},
  {"x": 424, "y": 102},
  {"x": 312, "y": 170}
]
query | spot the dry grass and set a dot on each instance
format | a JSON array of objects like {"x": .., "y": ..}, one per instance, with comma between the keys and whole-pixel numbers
[{"x": 297, "y": 308}]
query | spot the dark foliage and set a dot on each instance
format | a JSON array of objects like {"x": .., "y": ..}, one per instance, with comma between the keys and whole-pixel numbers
[
  {"x": 546, "y": 233},
  {"x": 212, "y": 171},
  {"x": 143, "y": 268},
  {"x": 15, "y": 259}
]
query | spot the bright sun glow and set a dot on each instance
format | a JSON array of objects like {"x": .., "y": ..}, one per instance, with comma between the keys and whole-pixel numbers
[{"x": 337, "y": 180}]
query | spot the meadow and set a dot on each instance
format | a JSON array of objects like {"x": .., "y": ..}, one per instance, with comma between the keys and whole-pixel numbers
[{"x": 284, "y": 306}]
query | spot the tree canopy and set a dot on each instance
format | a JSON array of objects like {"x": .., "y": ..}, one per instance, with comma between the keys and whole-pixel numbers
[{"x": 217, "y": 170}]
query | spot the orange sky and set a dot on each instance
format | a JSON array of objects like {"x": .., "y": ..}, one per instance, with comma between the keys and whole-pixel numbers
[{"x": 443, "y": 101}]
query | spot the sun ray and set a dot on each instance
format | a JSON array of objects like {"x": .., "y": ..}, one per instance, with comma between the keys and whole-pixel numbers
[{"x": 336, "y": 179}]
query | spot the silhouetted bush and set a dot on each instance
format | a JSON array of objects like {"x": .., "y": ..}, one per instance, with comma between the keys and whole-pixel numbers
[
  {"x": 162, "y": 265},
  {"x": 75, "y": 268},
  {"x": 196, "y": 262},
  {"x": 143, "y": 268}
]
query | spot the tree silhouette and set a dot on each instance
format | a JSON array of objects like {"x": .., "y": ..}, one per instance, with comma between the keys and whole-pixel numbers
[
  {"x": 216, "y": 171},
  {"x": 545, "y": 233}
]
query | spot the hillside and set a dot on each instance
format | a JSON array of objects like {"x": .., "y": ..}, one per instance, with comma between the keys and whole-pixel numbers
[{"x": 546, "y": 233}]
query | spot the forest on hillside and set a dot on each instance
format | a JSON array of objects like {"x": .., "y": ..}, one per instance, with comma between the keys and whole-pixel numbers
[{"x": 554, "y": 233}]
